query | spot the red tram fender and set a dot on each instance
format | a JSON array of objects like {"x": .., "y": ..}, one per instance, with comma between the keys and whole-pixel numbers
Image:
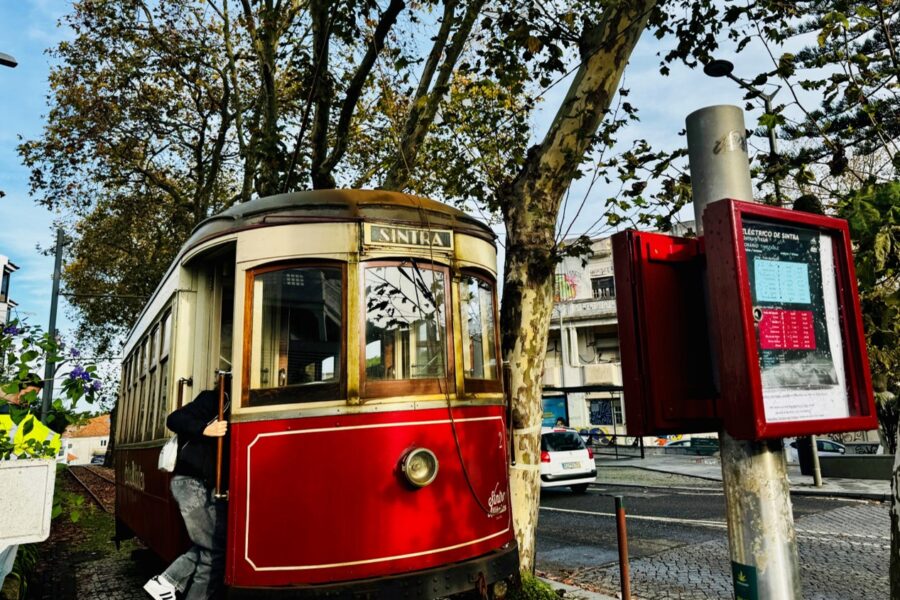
[
  {"x": 306, "y": 524},
  {"x": 791, "y": 348},
  {"x": 663, "y": 334}
]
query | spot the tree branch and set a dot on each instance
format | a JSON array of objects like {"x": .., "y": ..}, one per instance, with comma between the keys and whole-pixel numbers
[
  {"x": 418, "y": 122},
  {"x": 321, "y": 92},
  {"x": 354, "y": 90}
]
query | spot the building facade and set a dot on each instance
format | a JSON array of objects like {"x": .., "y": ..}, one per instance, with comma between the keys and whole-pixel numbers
[
  {"x": 81, "y": 443},
  {"x": 582, "y": 368},
  {"x": 7, "y": 268}
]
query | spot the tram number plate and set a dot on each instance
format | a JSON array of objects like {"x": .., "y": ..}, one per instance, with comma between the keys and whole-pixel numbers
[{"x": 571, "y": 465}]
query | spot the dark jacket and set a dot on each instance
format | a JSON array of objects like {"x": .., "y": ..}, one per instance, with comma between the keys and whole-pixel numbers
[{"x": 197, "y": 452}]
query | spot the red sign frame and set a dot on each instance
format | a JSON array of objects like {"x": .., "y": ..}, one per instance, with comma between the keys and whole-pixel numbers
[
  {"x": 741, "y": 400},
  {"x": 664, "y": 341}
]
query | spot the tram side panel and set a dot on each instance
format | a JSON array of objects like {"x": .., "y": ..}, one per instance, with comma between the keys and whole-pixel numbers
[
  {"x": 323, "y": 499},
  {"x": 144, "y": 504}
]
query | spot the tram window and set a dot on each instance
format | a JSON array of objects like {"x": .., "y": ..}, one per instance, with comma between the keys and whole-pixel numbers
[
  {"x": 152, "y": 402},
  {"x": 405, "y": 322},
  {"x": 145, "y": 355},
  {"x": 166, "y": 334},
  {"x": 163, "y": 400},
  {"x": 478, "y": 328},
  {"x": 154, "y": 347},
  {"x": 297, "y": 335}
]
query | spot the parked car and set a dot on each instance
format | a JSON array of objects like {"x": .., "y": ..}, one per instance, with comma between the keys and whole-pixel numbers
[
  {"x": 698, "y": 446},
  {"x": 98, "y": 459},
  {"x": 824, "y": 446},
  {"x": 566, "y": 460}
]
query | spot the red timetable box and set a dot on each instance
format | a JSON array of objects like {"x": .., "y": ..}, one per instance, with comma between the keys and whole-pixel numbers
[{"x": 785, "y": 309}]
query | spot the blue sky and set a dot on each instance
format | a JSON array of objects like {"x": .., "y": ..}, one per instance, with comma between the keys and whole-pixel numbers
[{"x": 28, "y": 28}]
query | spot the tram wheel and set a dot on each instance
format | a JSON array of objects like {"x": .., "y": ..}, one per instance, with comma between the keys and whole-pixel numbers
[{"x": 580, "y": 488}]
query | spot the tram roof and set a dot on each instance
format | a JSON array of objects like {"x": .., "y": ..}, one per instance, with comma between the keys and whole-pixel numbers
[
  {"x": 338, "y": 206},
  {"x": 325, "y": 206}
]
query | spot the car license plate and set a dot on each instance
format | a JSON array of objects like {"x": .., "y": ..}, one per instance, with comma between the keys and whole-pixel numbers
[{"x": 571, "y": 465}]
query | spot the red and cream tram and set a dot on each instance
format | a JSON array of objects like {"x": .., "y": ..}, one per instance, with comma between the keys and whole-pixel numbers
[{"x": 368, "y": 444}]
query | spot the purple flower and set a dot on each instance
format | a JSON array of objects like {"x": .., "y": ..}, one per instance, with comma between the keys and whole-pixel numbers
[
  {"x": 96, "y": 385},
  {"x": 74, "y": 353},
  {"x": 78, "y": 373},
  {"x": 11, "y": 330}
]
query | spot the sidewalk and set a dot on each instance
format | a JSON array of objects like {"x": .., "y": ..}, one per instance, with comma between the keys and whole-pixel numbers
[
  {"x": 576, "y": 593},
  {"x": 709, "y": 468}
]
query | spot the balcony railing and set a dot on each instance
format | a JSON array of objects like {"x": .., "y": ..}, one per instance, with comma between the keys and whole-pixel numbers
[{"x": 590, "y": 307}]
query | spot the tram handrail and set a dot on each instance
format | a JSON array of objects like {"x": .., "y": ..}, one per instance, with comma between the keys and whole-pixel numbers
[
  {"x": 221, "y": 440},
  {"x": 181, "y": 383}
]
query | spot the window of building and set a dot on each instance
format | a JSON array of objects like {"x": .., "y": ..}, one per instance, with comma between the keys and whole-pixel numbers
[
  {"x": 4, "y": 287},
  {"x": 603, "y": 287},
  {"x": 102, "y": 443},
  {"x": 297, "y": 334},
  {"x": 479, "y": 334}
]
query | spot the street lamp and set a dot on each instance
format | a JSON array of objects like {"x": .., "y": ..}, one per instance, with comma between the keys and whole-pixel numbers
[
  {"x": 724, "y": 68},
  {"x": 8, "y": 61}
]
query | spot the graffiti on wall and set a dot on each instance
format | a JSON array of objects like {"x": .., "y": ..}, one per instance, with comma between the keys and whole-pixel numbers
[{"x": 566, "y": 286}]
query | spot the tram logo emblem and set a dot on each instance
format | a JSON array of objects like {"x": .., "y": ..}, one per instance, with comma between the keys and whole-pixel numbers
[
  {"x": 497, "y": 501},
  {"x": 414, "y": 237}
]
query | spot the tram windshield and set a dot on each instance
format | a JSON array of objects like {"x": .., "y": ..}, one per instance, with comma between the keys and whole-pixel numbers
[
  {"x": 478, "y": 328},
  {"x": 297, "y": 332},
  {"x": 405, "y": 322}
]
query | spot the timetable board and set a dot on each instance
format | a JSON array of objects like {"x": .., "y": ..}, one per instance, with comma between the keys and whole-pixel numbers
[{"x": 794, "y": 298}]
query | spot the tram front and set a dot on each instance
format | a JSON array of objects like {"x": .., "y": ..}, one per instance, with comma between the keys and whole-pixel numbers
[{"x": 368, "y": 439}]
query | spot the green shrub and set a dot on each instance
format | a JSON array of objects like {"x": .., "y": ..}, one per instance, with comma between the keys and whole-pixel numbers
[{"x": 532, "y": 589}]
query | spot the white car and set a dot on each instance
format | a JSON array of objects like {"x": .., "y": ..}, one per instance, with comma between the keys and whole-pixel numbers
[
  {"x": 565, "y": 460},
  {"x": 825, "y": 447}
]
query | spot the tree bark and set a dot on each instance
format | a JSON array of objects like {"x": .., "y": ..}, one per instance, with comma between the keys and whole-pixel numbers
[{"x": 530, "y": 210}]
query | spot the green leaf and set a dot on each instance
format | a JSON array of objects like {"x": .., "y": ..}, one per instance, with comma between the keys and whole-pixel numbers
[
  {"x": 771, "y": 120},
  {"x": 882, "y": 249}
]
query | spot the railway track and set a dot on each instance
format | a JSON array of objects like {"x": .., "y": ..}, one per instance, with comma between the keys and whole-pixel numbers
[{"x": 98, "y": 484}]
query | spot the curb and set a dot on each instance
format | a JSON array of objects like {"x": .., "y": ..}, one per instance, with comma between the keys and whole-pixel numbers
[
  {"x": 576, "y": 593},
  {"x": 844, "y": 494}
]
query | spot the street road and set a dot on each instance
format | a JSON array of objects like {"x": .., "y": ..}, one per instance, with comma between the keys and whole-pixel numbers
[{"x": 678, "y": 544}]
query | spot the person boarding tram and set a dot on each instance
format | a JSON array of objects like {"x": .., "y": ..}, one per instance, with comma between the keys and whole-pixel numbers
[{"x": 197, "y": 574}]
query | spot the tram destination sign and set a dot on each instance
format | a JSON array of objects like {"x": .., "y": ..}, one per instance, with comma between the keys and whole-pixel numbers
[
  {"x": 439, "y": 240},
  {"x": 792, "y": 356}
]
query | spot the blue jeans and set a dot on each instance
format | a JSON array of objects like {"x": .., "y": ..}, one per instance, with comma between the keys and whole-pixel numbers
[{"x": 199, "y": 572}]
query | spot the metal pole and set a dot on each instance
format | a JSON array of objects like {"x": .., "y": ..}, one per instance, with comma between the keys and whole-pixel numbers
[
  {"x": 622, "y": 536},
  {"x": 612, "y": 410},
  {"x": 50, "y": 367},
  {"x": 761, "y": 534},
  {"x": 220, "y": 441},
  {"x": 817, "y": 470}
]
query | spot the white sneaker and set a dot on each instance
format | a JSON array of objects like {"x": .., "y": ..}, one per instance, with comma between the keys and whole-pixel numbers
[{"x": 160, "y": 589}]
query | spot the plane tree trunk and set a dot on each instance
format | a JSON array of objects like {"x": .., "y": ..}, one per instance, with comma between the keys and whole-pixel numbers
[{"x": 530, "y": 209}]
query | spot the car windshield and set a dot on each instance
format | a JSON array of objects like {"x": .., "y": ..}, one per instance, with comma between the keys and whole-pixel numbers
[{"x": 561, "y": 441}]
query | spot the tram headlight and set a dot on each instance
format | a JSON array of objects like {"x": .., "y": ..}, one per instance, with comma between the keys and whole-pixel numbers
[{"x": 420, "y": 466}]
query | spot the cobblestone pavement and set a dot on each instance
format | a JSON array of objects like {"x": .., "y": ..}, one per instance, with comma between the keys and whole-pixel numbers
[
  {"x": 118, "y": 576},
  {"x": 844, "y": 553}
]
